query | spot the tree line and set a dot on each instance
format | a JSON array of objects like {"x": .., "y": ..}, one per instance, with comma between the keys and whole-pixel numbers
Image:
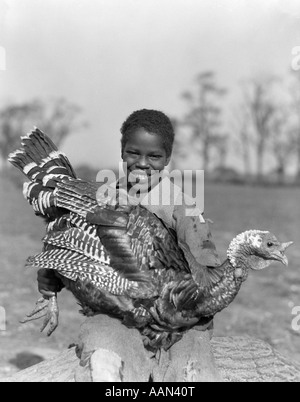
[
  {"x": 57, "y": 117},
  {"x": 261, "y": 128}
]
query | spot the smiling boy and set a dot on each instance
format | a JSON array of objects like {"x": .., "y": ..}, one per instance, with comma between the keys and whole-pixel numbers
[
  {"x": 147, "y": 145},
  {"x": 146, "y": 149}
]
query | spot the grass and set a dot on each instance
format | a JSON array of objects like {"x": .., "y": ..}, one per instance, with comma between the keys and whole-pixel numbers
[{"x": 263, "y": 309}]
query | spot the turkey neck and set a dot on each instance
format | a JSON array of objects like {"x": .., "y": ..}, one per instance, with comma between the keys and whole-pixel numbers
[{"x": 223, "y": 285}]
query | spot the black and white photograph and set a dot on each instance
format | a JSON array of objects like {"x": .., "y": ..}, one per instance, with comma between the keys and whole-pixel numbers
[{"x": 150, "y": 193}]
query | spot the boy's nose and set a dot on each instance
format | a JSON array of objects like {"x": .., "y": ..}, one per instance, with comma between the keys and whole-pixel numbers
[{"x": 143, "y": 162}]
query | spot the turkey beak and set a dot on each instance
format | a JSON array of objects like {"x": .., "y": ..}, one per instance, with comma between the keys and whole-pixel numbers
[
  {"x": 285, "y": 260},
  {"x": 280, "y": 254}
]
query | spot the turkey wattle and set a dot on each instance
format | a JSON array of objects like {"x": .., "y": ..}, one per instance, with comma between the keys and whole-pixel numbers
[{"x": 123, "y": 261}]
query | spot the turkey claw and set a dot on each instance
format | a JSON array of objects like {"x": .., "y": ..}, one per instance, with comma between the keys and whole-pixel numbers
[
  {"x": 38, "y": 312},
  {"x": 47, "y": 308}
]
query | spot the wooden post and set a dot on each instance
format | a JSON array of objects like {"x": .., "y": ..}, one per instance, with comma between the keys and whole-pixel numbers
[
  {"x": 111, "y": 352},
  {"x": 189, "y": 360},
  {"x": 129, "y": 361}
]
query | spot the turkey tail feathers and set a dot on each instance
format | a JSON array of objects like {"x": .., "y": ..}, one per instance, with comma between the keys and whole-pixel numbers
[
  {"x": 45, "y": 166},
  {"x": 53, "y": 183},
  {"x": 40, "y": 155},
  {"x": 22, "y": 161}
]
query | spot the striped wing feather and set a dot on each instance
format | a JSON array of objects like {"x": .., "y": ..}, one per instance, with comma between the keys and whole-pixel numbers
[{"x": 75, "y": 266}]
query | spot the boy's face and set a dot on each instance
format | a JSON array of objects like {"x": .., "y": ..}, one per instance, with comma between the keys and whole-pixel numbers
[{"x": 144, "y": 154}]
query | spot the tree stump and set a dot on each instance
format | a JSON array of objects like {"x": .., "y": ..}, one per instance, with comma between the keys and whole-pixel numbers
[
  {"x": 191, "y": 359},
  {"x": 108, "y": 336},
  {"x": 108, "y": 351}
]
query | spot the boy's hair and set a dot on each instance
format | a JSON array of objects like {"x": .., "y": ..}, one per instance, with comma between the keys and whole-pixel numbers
[{"x": 152, "y": 121}]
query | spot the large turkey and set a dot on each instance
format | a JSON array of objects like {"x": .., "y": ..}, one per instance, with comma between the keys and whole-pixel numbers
[{"x": 123, "y": 261}]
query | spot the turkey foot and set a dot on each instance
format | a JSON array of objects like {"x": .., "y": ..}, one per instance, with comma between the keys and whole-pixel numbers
[{"x": 48, "y": 308}]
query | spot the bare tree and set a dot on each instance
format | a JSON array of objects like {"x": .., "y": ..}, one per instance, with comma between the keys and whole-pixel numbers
[
  {"x": 283, "y": 141},
  {"x": 259, "y": 101},
  {"x": 243, "y": 133},
  {"x": 12, "y": 121},
  {"x": 179, "y": 150},
  {"x": 204, "y": 115},
  {"x": 58, "y": 118},
  {"x": 222, "y": 148}
]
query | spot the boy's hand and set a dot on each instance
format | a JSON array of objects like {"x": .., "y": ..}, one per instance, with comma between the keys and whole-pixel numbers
[{"x": 48, "y": 283}]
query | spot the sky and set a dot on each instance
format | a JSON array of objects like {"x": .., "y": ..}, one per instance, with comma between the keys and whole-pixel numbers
[{"x": 115, "y": 56}]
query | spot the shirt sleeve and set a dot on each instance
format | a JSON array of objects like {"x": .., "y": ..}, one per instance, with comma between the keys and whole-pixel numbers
[{"x": 195, "y": 232}]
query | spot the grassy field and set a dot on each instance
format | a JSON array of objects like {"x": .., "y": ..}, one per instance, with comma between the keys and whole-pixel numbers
[{"x": 263, "y": 308}]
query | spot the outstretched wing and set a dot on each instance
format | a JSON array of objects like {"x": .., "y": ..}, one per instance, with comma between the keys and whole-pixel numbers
[
  {"x": 77, "y": 267},
  {"x": 139, "y": 245}
]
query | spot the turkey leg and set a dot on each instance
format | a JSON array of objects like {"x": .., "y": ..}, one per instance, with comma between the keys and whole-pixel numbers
[{"x": 45, "y": 307}]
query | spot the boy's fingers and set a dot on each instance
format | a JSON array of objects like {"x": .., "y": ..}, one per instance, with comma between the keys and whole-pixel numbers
[
  {"x": 47, "y": 293},
  {"x": 48, "y": 283},
  {"x": 44, "y": 287},
  {"x": 45, "y": 274}
]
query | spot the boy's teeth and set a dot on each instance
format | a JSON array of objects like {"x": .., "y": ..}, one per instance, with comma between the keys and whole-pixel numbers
[
  {"x": 140, "y": 176},
  {"x": 140, "y": 172}
]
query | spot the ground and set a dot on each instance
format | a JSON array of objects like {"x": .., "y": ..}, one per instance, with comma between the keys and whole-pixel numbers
[{"x": 263, "y": 309}]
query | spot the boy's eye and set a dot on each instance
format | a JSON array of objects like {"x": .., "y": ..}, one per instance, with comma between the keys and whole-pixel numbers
[{"x": 155, "y": 156}]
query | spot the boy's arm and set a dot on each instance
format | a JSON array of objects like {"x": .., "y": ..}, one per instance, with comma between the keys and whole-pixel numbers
[
  {"x": 197, "y": 235},
  {"x": 48, "y": 282}
]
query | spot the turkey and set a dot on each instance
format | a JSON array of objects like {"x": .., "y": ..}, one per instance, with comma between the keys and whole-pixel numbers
[{"x": 123, "y": 261}]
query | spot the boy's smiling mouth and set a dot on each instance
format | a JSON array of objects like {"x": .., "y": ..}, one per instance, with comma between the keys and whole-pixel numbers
[{"x": 139, "y": 176}]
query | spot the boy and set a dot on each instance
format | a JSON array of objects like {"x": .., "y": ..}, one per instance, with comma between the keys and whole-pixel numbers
[
  {"x": 146, "y": 149},
  {"x": 147, "y": 142}
]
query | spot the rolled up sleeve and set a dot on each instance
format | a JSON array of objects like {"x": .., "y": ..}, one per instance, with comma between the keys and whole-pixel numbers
[{"x": 196, "y": 233}]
